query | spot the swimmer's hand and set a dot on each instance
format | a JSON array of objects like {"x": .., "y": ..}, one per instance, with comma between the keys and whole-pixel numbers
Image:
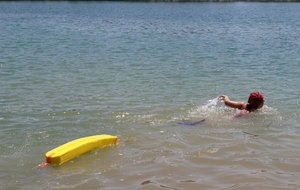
[{"x": 221, "y": 97}]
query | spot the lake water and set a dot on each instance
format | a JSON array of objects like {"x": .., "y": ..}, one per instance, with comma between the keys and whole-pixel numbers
[{"x": 135, "y": 70}]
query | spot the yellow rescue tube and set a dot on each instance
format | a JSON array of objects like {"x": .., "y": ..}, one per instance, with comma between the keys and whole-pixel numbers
[{"x": 76, "y": 147}]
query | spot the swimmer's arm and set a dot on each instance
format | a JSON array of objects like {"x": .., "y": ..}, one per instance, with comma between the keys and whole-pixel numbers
[{"x": 232, "y": 104}]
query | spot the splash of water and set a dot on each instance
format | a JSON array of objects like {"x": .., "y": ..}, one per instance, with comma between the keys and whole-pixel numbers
[
  {"x": 209, "y": 109},
  {"x": 211, "y": 103}
]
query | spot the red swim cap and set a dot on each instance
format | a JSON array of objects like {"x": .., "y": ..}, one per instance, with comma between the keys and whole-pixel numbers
[{"x": 256, "y": 99}]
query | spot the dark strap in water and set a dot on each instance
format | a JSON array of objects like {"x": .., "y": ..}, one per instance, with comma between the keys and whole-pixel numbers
[{"x": 194, "y": 123}]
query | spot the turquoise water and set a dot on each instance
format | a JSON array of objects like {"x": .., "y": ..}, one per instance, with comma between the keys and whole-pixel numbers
[{"x": 135, "y": 70}]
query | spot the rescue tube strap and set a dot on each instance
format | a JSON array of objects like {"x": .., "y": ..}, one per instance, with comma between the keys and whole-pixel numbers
[{"x": 192, "y": 123}]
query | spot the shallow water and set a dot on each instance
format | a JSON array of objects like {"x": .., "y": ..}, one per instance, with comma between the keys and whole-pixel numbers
[{"x": 136, "y": 70}]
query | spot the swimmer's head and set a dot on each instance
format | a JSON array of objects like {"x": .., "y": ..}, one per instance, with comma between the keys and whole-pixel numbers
[{"x": 256, "y": 99}]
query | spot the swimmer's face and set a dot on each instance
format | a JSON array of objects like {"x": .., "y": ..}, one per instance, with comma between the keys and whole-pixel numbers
[{"x": 261, "y": 105}]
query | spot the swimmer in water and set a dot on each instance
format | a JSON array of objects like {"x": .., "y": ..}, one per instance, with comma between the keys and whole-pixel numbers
[{"x": 255, "y": 102}]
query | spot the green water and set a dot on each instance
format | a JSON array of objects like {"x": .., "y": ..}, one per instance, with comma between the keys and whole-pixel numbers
[{"x": 135, "y": 70}]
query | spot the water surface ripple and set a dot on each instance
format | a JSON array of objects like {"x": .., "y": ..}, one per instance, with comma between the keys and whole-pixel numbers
[{"x": 135, "y": 70}]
